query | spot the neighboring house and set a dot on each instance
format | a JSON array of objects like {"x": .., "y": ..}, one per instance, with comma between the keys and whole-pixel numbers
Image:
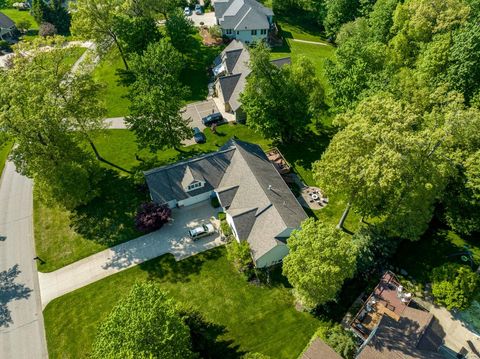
[
  {"x": 7, "y": 27},
  {"x": 259, "y": 206},
  {"x": 244, "y": 20},
  {"x": 231, "y": 69},
  {"x": 393, "y": 326},
  {"x": 317, "y": 349}
]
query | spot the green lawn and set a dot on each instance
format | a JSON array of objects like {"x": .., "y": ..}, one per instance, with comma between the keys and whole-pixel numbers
[
  {"x": 245, "y": 317},
  {"x": 195, "y": 76},
  {"x": 113, "y": 93},
  {"x": 17, "y": 16},
  {"x": 4, "y": 151},
  {"x": 74, "y": 54}
]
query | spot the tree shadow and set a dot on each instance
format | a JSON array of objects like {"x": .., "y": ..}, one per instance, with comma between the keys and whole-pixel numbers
[
  {"x": 167, "y": 269},
  {"x": 108, "y": 218},
  {"x": 9, "y": 292},
  {"x": 206, "y": 338}
]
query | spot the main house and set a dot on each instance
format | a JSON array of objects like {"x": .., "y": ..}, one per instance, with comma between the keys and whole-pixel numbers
[
  {"x": 244, "y": 20},
  {"x": 7, "y": 27},
  {"x": 231, "y": 69},
  {"x": 260, "y": 207}
]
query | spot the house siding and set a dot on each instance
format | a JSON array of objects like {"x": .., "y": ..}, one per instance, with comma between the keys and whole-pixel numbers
[
  {"x": 273, "y": 256},
  {"x": 246, "y": 35}
]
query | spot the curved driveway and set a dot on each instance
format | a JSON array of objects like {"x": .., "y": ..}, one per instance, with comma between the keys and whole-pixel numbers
[{"x": 22, "y": 334}]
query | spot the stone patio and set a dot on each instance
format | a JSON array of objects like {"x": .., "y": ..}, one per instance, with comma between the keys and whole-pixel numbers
[{"x": 313, "y": 198}]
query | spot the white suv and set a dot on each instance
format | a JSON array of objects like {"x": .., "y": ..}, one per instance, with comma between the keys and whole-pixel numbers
[{"x": 201, "y": 231}]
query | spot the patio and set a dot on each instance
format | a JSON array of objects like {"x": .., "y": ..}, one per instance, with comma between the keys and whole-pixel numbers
[{"x": 313, "y": 198}]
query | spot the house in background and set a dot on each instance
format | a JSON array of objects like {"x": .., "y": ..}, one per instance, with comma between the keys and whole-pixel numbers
[
  {"x": 260, "y": 207},
  {"x": 392, "y": 326},
  {"x": 7, "y": 27},
  {"x": 244, "y": 20},
  {"x": 231, "y": 70}
]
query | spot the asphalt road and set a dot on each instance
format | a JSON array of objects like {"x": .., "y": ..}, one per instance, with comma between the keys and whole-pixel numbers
[{"x": 22, "y": 334}]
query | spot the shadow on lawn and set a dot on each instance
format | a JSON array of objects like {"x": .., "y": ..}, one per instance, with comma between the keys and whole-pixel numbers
[
  {"x": 206, "y": 338},
  {"x": 109, "y": 218},
  {"x": 167, "y": 269}
]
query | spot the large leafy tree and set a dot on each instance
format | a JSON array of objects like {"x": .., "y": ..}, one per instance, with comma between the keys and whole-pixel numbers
[
  {"x": 49, "y": 113},
  {"x": 339, "y": 12},
  {"x": 156, "y": 96},
  {"x": 135, "y": 33},
  {"x": 280, "y": 102},
  {"x": 97, "y": 20},
  {"x": 144, "y": 324},
  {"x": 320, "y": 259},
  {"x": 384, "y": 164},
  {"x": 180, "y": 30}
]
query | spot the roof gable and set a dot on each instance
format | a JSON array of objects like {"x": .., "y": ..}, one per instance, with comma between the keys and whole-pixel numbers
[{"x": 6, "y": 22}]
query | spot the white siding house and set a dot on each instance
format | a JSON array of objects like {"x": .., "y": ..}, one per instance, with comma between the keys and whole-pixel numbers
[{"x": 244, "y": 20}]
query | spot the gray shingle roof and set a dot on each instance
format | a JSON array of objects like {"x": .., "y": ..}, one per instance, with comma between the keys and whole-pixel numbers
[
  {"x": 242, "y": 14},
  {"x": 228, "y": 84},
  {"x": 6, "y": 22},
  {"x": 256, "y": 196}
]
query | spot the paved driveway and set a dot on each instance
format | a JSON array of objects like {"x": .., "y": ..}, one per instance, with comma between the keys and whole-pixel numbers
[
  {"x": 207, "y": 18},
  {"x": 196, "y": 111},
  {"x": 172, "y": 238}
]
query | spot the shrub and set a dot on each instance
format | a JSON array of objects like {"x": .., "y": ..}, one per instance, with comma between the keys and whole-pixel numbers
[
  {"x": 215, "y": 31},
  {"x": 342, "y": 341},
  {"x": 215, "y": 202},
  {"x": 225, "y": 228},
  {"x": 5, "y": 46},
  {"x": 23, "y": 25},
  {"x": 151, "y": 217},
  {"x": 221, "y": 216},
  {"x": 47, "y": 29},
  {"x": 239, "y": 255},
  {"x": 454, "y": 285}
]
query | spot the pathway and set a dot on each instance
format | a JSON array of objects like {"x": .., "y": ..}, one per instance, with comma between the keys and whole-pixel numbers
[
  {"x": 22, "y": 334},
  {"x": 311, "y": 42},
  {"x": 172, "y": 238}
]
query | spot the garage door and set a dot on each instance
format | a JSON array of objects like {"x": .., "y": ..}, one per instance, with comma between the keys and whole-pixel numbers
[{"x": 195, "y": 199}]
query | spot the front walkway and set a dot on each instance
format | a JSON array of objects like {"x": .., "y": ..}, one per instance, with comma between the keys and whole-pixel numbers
[{"x": 172, "y": 238}]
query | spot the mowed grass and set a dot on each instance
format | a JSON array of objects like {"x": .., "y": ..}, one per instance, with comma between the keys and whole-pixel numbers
[
  {"x": 247, "y": 317},
  {"x": 113, "y": 93},
  {"x": 4, "y": 151},
  {"x": 63, "y": 237},
  {"x": 17, "y": 16}
]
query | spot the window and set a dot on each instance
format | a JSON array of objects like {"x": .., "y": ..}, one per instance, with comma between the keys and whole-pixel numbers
[
  {"x": 194, "y": 185},
  {"x": 263, "y": 31},
  {"x": 254, "y": 32},
  {"x": 229, "y": 31}
]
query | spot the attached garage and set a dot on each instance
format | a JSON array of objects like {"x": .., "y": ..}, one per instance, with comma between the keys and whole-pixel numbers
[{"x": 195, "y": 199}]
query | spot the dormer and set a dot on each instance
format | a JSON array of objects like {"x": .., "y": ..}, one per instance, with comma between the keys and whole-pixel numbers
[{"x": 192, "y": 180}]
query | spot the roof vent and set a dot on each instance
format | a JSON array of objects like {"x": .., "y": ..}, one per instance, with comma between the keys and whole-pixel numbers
[{"x": 270, "y": 187}]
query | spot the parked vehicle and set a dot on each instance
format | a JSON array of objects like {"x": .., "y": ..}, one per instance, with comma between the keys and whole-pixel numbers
[
  {"x": 201, "y": 231},
  {"x": 198, "y": 9},
  {"x": 187, "y": 11},
  {"x": 212, "y": 118},
  {"x": 198, "y": 135}
]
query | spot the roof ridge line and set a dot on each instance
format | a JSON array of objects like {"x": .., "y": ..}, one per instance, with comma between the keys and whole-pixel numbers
[{"x": 248, "y": 11}]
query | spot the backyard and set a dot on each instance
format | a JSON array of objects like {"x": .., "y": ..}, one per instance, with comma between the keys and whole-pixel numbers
[{"x": 244, "y": 317}]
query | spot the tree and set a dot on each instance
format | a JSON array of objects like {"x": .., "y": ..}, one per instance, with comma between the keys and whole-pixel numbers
[
  {"x": 239, "y": 254},
  {"x": 320, "y": 259},
  {"x": 47, "y": 29},
  {"x": 39, "y": 11},
  {"x": 136, "y": 33},
  {"x": 49, "y": 113},
  {"x": 381, "y": 19},
  {"x": 280, "y": 102},
  {"x": 53, "y": 12},
  {"x": 144, "y": 324},
  {"x": 156, "y": 98},
  {"x": 339, "y": 12},
  {"x": 97, "y": 20},
  {"x": 151, "y": 217},
  {"x": 454, "y": 286},
  {"x": 180, "y": 30},
  {"x": 387, "y": 163}
]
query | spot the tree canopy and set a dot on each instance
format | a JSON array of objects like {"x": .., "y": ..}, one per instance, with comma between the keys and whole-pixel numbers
[
  {"x": 156, "y": 98},
  {"x": 144, "y": 324},
  {"x": 320, "y": 258}
]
